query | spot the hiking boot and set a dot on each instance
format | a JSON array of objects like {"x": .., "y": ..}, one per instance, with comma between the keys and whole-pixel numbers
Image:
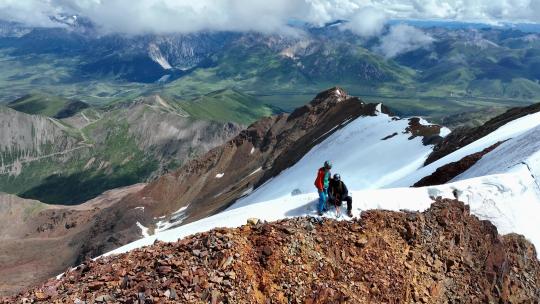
[
  {"x": 349, "y": 213},
  {"x": 320, "y": 213}
]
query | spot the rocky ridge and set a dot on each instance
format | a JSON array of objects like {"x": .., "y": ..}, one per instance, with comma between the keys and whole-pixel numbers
[
  {"x": 27, "y": 138},
  {"x": 441, "y": 255},
  {"x": 447, "y": 172},
  {"x": 464, "y": 136},
  {"x": 209, "y": 184}
]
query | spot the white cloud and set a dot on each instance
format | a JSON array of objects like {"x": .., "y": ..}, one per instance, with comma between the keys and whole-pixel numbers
[
  {"x": 366, "y": 16},
  {"x": 403, "y": 38},
  {"x": 30, "y": 12},
  {"x": 187, "y": 16},
  {"x": 367, "y": 22}
]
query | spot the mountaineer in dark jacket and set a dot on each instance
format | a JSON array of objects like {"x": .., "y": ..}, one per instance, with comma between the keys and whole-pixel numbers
[
  {"x": 321, "y": 183},
  {"x": 338, "y": 192}
]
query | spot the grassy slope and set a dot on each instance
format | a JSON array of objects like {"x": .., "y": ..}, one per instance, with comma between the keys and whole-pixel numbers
[
  {"x": 226, "y": 105},
  {"x": 45, "y": 105},
  {"x": 115, "y": 162},
  {"x": 47, "y": 74}
]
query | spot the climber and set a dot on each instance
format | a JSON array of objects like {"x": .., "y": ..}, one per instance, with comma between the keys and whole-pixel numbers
[
  {"x": 322, "y": 182},
  {"x": 338, "y": 192}
]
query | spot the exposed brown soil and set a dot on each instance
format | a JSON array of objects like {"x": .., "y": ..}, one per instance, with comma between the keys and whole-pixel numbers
[
  {"x": 464, "y": 136},
  {"x": 38, "y": 241},
  {"x": 447, "y": 172},
  {"x": 443, "y": 255}
]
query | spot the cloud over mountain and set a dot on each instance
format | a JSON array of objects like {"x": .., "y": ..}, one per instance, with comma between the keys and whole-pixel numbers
[
  {"x": 366, "y": 16},
  {"x": 367, "y": 22},
  {"x": 403, "y": 38}
]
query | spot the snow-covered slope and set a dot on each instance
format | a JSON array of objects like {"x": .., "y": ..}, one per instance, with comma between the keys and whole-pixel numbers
[
  {"x": 510, "y": 201},
  {"x": 512, "y": 129},
  {"x": 359, "y": 152},
  {"x": 512, "y": 155},
  {"x": 503, "y": 187}
]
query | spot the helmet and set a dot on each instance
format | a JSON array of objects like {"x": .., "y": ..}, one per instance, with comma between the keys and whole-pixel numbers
[
  {"x": 328, "y": 164},
  {"x": 337, "y": 177}
]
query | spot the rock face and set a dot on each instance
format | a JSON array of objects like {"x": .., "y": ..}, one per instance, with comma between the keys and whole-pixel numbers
[
  {"x": 464, "y": 136},
  {"x": 26, "y": 138},
  {"x": 443, "y": 255},
  {"x": 166, "y": 132},
  {"x": 447, "y": 172}
]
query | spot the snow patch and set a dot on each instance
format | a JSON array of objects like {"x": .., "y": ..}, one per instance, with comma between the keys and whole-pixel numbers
[
  {"x": 252, "y": 150},
  {"x": 139, "y": 208},
  {"x": 248, "y": 191},
  {"x": 444, "y": 132},
  {"x": 220, "y": 175},
  {"x": 177, "y": 218},
  {"x": 144, "y": 230},
  {"x": 512, "y": 129},
  {"x": 257, "y": 170}
]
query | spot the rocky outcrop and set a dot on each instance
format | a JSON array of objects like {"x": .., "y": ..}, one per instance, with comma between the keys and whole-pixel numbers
[
  {"x": 443, "y": 255},
  {"x": 463, "y": 136},
  {"x": 447, "y": 172}
]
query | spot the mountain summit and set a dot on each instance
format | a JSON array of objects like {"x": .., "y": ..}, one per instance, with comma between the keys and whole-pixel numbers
[{"x": 441, "y": 255}]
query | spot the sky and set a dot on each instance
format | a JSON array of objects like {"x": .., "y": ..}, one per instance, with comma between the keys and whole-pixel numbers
[{"x": 367, "y": 17}]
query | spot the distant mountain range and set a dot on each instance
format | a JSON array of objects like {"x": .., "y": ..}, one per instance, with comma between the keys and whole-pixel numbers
[{"x": 465, "y": 69}]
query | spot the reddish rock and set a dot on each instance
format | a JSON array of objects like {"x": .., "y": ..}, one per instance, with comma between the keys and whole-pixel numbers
[
  {"x": 447, "y": 172},
  {"x": 443, "y": 255}
]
